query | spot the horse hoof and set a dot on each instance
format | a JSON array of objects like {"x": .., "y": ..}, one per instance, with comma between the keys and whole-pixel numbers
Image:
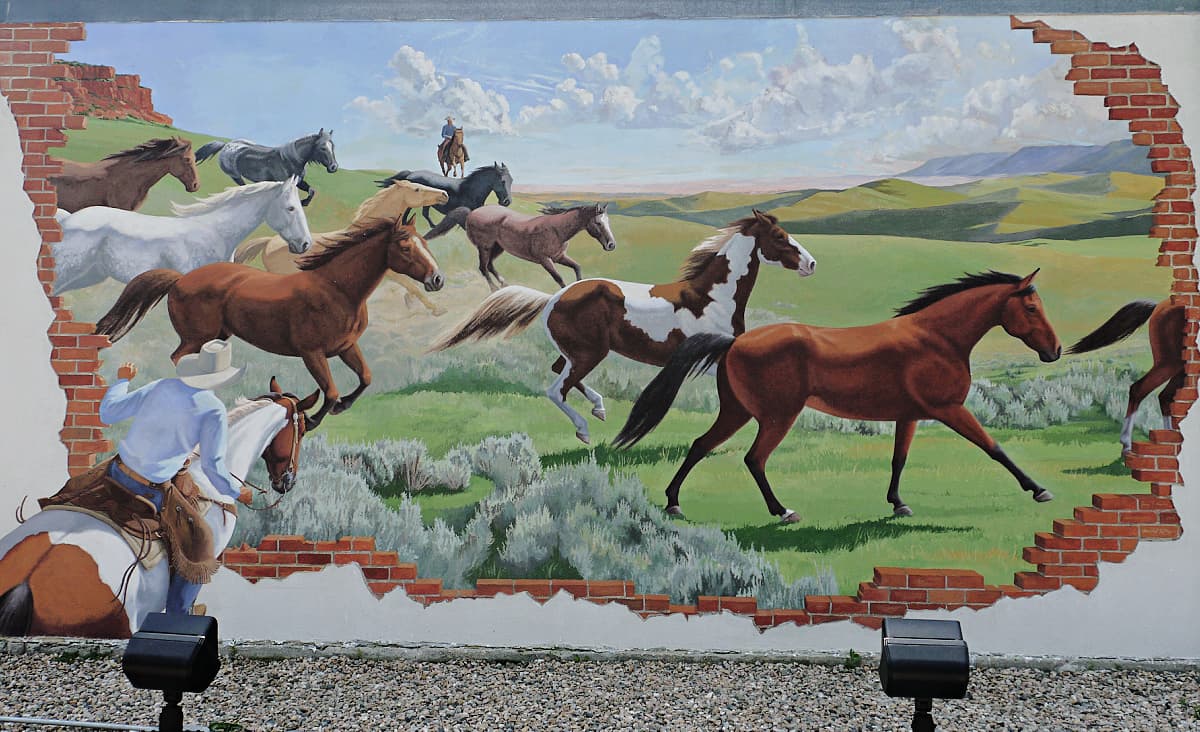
[
  {"x": 789, "y": 517},
  {"x": 675, "y": 512},
  {"x": 340, "y": 407},
  {"x": 1043, "y": 496},
  {"x": 600, "y": 413},
  {"x": 902, "y": 511},
  {"x": 583, "y": 438},
  {"x": 438, "y": 312}
]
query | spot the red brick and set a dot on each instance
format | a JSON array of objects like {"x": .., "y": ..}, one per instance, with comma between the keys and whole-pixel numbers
[
  {"x": 257, "y": 571},
  {"x": 362, "y": 558},
  {"x": 892, "y": 609},
  {"x": 741, "y": 605},
  {"x": 657, "y": 603},
  {"x": 1146, "y": 73},
  {"x": 290, "y": 543},
  {"x": 423, "y": 587},
  {"x": 1129, "y": 87},
  {"x": 1105, "y": 544},
  {"x": 688, "y": 610},
  {"x": 868, "y": 621},
  {"x": 906, "y": 596},
  {"x": 1068, "y": 46},
  {"x": 799, "y": 617},
  {"x": 1155, "y": 476},
  {"x": 1050, "y": 541},
  {"x": 1128, "y": 113},
  {"x": 1080, "y": 557},
  {"x": 1116, "y": 101},
  {"x": 1090, "y": 59},
  {"x": 867, "y": 592},
  {"x": 1113, "y": 557},
  {"x": 948, "y": 597},
  {"x": 1096, "y": 516},
  {"x": 403, "y": 572},
  {"x": 984, "y": 597},
  {"x": 891, "y": 577},
  {"x": 314, "y": 557},
  {"x": 1118, "y": 531},
  {"x": 490, "y": 587},
  {"x": 1071, "y": 528},
  {"x": 963, "y": 578},
  {"x": 1109, "y": 73},
  {"x": 1168, "y": 517},
  {"x": 606, "y": 588},
  {"x": 1035, "y": 581},
  {"x": 1083, "y": 584},
  {"x": 1148, "y": 100},
  {"x": 1114, "y": 501},
  {"x": 382, "y": 588},
  {"x": 1037, "y": 555},
  {"x": 1077, "y": 74},
  {"x": 31, "y": 34},
  {"x": 239, "y": 556},
  {"x": 576, "y": 588},
  {"x": 538, "y": 588},
  {"x": 813, "y": 604},
  {"x": 1046, "y": 35},
  {"x": 1168, "y": 531}
]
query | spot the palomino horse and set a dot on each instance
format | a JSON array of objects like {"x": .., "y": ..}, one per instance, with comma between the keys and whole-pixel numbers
[
  {"x": 391, "y": 203},
  {"x": 470, "y": 192},
  {"x": 588, "y": 319},
  {"x": 454, "y": 155},
  {"x": 541, "y": 239},
  {"x": 913, "y": 367},
  {"x": 243, "y": 160},
  {"x": 314, "y": 314},
  {"x": 123, "y": 180},
  {"x": 63, "y": 572},
  {"x": 1167, "y": 321},
  {"x": 100, "y": 242}
]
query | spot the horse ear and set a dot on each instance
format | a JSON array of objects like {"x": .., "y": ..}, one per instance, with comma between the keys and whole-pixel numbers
[
  {"x": 1028, "y": 280},
  {"x": 321, "y": 131},
  {"x": 307, "y": 402},
  {"x": 331, "y": 132},
  {"x": 275, "y": 388}
]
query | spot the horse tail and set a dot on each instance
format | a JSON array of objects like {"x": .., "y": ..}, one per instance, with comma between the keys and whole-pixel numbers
[
  {"x": 505, "y": 312},
  {"x": 207, "y": 150},
  {"x": 250, "y": 249},
  {"x": 402, "y": 175},
  {"x": 697, "y": 354},
  {"x": 142, "y": 293},
  {"x": 16, "y": 611},
  {"x": 457, "y": 217},
  {"x": 1119, "y": 327}
]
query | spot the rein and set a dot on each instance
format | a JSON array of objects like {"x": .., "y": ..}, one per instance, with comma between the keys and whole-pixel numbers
[{"x": 292, "y": 458}]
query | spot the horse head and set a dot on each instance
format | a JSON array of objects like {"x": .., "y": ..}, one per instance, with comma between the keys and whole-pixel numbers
[
  {"x": 598, "y": 226},
  {"x": 286, "y": 216},
  {"x": 181, "y": 163},
  {"x": 405, "y": 194},
  {"x": 502, "y": 187},
  {"x": 1024, "y": 318},
  {"x": 322, "y": 151},
  {"x": 775, "y": 246},
  {"x": 282, "y": 453},
  {"x": 408, "y": 254}
]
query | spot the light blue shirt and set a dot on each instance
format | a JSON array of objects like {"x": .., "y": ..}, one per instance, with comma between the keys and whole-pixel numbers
[
  {"x": 448, "y": 130},
  {"x": 169, "y": 419}
]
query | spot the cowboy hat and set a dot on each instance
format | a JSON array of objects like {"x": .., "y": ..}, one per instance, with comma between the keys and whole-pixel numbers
[
  {"x": 210, "y": 368},
  {"x": 449, "y": 118}
]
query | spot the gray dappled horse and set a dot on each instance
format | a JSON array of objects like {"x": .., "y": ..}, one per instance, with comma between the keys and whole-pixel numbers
[{"x": 244, "y": 160}]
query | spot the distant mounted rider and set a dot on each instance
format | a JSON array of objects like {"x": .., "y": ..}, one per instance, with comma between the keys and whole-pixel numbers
[{"x": 448, "y": 131}]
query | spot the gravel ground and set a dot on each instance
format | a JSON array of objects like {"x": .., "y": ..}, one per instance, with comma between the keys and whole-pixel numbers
[{"x": 346, "y": 694}]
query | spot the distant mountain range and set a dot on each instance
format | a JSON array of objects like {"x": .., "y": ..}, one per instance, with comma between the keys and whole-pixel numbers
[{"x": 1121, "y": 156}]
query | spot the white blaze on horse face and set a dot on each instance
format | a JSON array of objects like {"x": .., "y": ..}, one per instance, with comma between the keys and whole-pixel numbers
[
  {"x": 608, "y": 242},
  {"x": 657, "y": 317},
  {"x": 807, "y": 264},
  {"x": 286, "y": 216}
]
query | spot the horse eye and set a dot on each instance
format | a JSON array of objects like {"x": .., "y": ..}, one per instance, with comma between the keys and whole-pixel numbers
[
  {"x": 291, "y": 208},
  {"x": 1031, "y": 308}
]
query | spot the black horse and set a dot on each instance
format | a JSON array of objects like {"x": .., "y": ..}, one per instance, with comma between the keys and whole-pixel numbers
[
  {"x": 243, "y": 160},
  {"x": 465, "y": 194}
]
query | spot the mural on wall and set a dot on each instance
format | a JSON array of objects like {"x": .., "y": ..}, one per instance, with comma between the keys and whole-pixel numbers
[{"x": 967, "y": 206}]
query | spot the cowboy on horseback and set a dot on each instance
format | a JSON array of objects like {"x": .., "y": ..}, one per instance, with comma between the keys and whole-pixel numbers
[
  {"x": 159, "y": 500},
  {"x": 448, "y": 131}
]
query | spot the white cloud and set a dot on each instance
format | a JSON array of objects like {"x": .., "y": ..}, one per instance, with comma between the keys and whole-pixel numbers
[{"x": 421, "y": 97}]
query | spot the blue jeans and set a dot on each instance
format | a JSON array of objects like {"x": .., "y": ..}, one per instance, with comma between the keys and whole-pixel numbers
[{"x": 181, "y": 594}]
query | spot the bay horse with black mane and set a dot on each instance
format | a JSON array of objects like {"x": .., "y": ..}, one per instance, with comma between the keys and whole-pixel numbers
[
  {"x": 1167, "y": 325},
  {"x": 124, "y": 179},
  {"x": 915, "y": 366},
  {"x": 316, "y": 314},
  {"x": 589, "y": 319}
]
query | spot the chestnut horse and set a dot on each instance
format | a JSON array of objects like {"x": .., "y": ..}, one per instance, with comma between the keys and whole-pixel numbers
[
  {"x": 68, "y": 573},
  {"x": 390, "y": 203},
  {"x": 588, "y": 319},
  {"x": 1167, "y": 321},
  {"x": 315, "y": 314},
  {"x": 915, "y": 366},
  {"x": 454, "y": 155},
  {"x": 123, "y": 180}
]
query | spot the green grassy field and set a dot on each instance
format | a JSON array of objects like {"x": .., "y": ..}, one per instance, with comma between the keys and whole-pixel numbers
[{"x": 969, "y": 512}]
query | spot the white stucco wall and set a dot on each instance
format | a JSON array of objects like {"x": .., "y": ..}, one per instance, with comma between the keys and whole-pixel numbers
[{"x": 1144, "y": 607}]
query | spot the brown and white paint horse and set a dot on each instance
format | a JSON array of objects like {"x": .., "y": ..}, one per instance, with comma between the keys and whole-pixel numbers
[
  {"x": 66, "y": 573},
  {"x": 1167, "y": 321},
  {"x": 589, "y": 319}
]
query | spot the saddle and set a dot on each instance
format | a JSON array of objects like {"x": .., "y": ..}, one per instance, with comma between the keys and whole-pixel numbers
[{"x": 180, "y": 525}]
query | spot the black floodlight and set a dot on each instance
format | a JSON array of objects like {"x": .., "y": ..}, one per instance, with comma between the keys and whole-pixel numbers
[
  {"x": 173, "y": 654},
  {"x": 924, "y": 660}
]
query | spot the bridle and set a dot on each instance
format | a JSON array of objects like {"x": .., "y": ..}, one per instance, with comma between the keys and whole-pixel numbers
[{"x": 293, "y": 455}]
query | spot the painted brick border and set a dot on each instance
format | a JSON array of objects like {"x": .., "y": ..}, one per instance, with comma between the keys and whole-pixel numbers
[
  {"x": 28, "y": 70},
  {"x": 1069, "y": 554}
]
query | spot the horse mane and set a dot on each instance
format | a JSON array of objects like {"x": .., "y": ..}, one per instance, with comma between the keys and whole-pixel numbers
[
  {"x": 208, "y": 203},
  {"x": 706, "y": 251},
  {"x": 342, "y": 241},
  {"x": 968, "y": 281},
  {"x": 156, "y": 149},
  {"x": 553, "y": 210}
]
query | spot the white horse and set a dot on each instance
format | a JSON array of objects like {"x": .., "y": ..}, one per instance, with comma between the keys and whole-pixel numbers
[
  {"x": 64, "y": 572},
  {"x": 100, "y": 242}
]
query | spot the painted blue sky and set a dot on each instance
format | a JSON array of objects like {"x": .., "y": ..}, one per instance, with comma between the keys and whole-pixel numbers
[{"x": 630, "y": 104}]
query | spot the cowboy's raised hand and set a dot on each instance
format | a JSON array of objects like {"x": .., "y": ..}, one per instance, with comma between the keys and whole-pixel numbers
[
  {"x": 126, "y": 371},
  {"x": 246, "y": 496}
]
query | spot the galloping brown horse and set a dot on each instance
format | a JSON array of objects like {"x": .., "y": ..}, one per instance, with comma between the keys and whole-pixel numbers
[
  {"x": 915, "y": 366},
  {"x": 123, "y": 180},
  {"x": 1167, "y": 321},
  {"x": 315, "y": 314},
  {"x": 591, "y": 318}
]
